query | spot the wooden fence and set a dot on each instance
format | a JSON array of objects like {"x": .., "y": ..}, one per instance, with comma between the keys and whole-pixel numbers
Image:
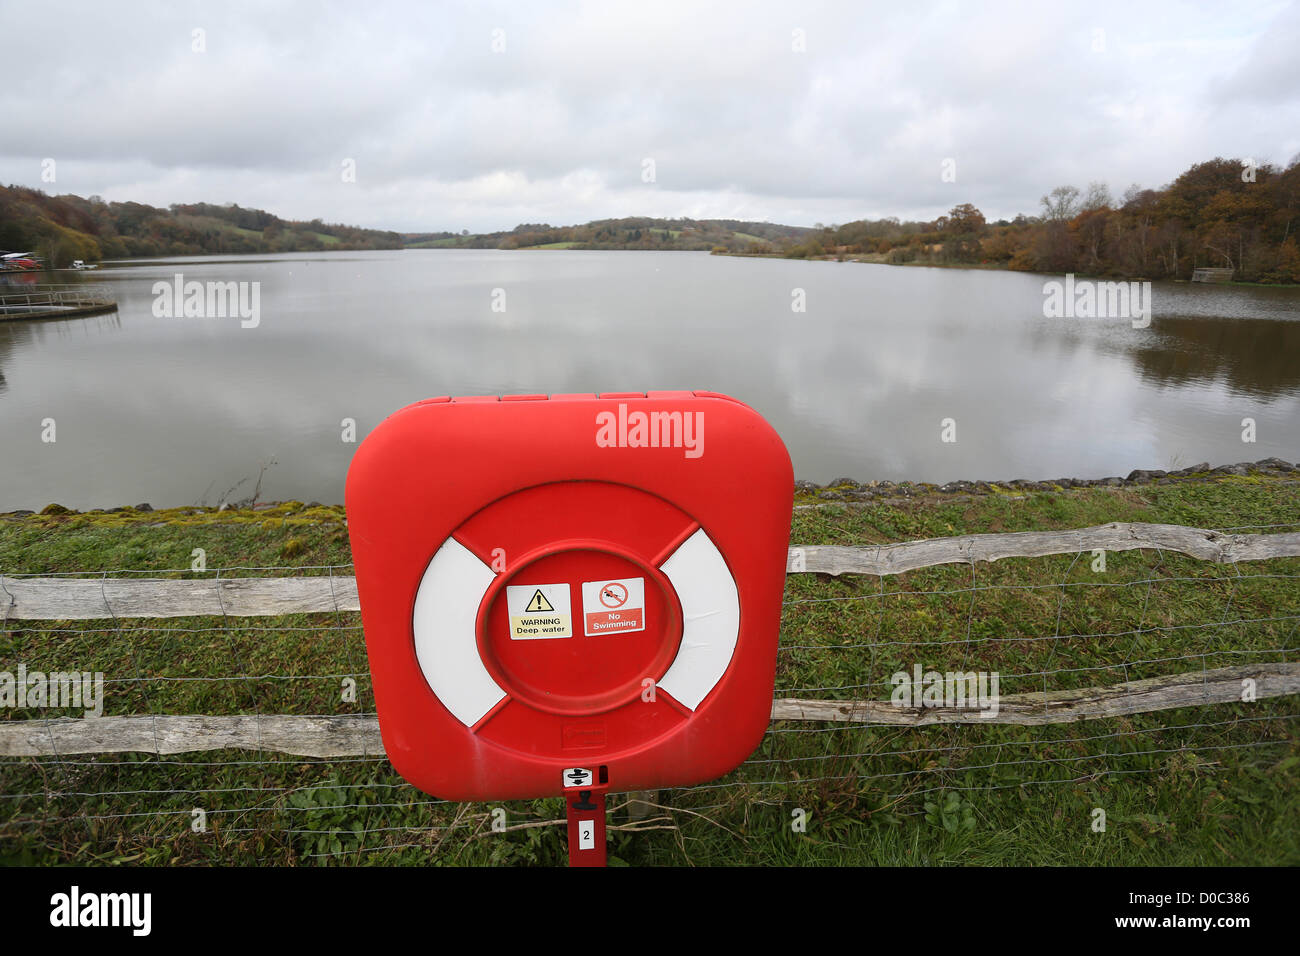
[{"x": 105, "y": 598}]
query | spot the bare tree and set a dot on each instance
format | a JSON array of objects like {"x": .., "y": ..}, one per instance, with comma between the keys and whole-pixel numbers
[
  {"x": 1097, "y": 197},
  {"x": 1061, "y": 204}
]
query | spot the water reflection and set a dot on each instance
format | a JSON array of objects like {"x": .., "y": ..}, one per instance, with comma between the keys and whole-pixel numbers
[{"x": 1255, "y": 357}]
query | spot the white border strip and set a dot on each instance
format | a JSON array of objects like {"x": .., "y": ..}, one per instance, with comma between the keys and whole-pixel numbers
[
  {"x": 446, "y": 642},
  {"x": 710, "y": 619}
]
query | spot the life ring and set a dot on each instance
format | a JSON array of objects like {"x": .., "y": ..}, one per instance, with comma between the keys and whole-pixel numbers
[{"x": 448, "y": 606}]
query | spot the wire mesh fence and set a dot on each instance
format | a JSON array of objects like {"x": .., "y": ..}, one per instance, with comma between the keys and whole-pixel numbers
[{"x": 1077, "y": 624}]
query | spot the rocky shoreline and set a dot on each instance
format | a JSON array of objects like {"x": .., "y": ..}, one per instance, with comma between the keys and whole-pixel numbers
[
  {"x": 841, "y": 489},
  {"x": 848, "y": 489}
]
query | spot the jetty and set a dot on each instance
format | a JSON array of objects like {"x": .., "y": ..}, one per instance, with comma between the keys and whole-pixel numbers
[{"x": 56, "y": 301}]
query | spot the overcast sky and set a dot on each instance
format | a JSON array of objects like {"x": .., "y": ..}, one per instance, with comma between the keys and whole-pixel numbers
[{"x": 265, "y": 105}]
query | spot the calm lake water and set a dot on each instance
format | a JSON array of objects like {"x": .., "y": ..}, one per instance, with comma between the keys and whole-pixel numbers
[{"x": 176, "y": 411}]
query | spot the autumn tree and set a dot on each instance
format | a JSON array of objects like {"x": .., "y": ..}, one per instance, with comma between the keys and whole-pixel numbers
[{"x": 961, "y": 229}]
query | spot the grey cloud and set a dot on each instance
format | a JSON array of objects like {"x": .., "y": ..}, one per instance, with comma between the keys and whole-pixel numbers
[{"x": 448, "y": 134}]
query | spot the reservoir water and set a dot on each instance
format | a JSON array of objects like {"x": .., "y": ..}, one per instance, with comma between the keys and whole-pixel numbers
[{"x": 177, "y": 411}]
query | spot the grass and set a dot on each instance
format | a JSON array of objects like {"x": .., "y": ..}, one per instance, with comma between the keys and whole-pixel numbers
[
  {"x": 1212, "y": 785},
  {"x": 324, "y": 238},
  {"x": 443, "y": 243}
]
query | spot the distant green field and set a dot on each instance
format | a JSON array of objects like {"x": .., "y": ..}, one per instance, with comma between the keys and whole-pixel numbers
[
  {"x": 257, "y": 233},
  {"x": 434, "y": 243},
  {"x": 748, "y": 238},
  {"x": 553, "y": 245}
]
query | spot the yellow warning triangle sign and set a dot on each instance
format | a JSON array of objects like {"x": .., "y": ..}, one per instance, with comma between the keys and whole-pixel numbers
[{"x": 538, "y": 602}]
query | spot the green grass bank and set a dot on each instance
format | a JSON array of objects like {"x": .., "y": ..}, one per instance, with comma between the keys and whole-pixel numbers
[{"x": 1206, "y": 785}]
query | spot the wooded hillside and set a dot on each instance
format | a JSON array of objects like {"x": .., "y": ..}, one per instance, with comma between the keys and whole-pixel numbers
[{"x": 63, "y": 228}]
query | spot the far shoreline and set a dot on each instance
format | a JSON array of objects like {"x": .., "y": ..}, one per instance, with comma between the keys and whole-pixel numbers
[
  {"x": 806, "y": 494},
  {"x": 880, "y": 259},
  {"x": 873, "y": 259}
]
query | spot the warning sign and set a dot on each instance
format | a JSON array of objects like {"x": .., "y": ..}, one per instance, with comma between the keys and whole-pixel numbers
[
  {"x": 538, "y": 602},
  {"x": 539, "y": 611},
  {"x": 611, "y": 607}
]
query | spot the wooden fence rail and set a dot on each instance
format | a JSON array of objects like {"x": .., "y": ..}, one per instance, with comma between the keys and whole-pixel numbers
[
  {"x": 359, "y": 736},
  {"x": 100, "y": 598}
]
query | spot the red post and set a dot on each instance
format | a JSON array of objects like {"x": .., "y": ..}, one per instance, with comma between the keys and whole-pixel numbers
[{"x": 586, "y": 814}]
